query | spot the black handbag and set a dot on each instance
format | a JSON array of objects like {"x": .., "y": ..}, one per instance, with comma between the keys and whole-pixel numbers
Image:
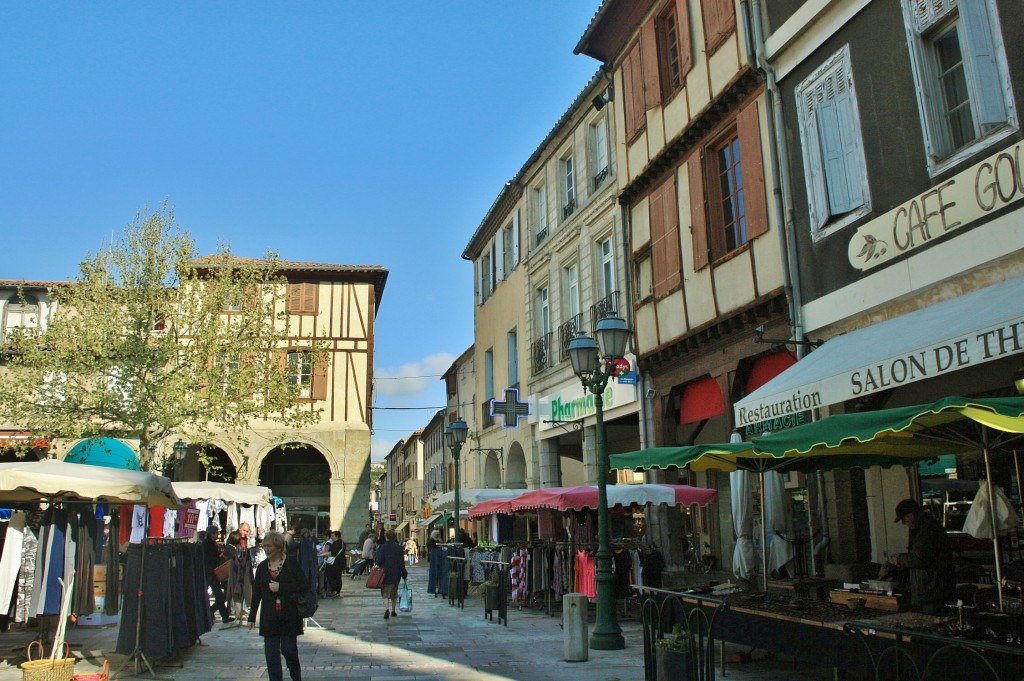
[{"x": 305, "y": 603}]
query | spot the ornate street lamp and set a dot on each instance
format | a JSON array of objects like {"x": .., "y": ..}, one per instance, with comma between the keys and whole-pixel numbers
[
  {"x": 455, "y": 437},
  {"x": 179, "y": 449},
  {"x": 594, "y": 363}
]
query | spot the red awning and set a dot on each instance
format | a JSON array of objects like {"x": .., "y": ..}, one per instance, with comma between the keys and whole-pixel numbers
[
  {"x": 585, "y": 496},
  {"x": 768, "y": 367},
  {"x": 701, "y": 400}
]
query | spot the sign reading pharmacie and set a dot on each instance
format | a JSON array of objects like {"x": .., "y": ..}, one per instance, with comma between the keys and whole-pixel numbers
[
  {"x": 968, "y": 196},
  {"x": 572, "y": 404}
]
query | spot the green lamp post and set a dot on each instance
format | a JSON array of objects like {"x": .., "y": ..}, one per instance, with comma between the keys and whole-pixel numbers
[
  {"x": 455, "y": 437},
  {"x": 593, "y": 362}
]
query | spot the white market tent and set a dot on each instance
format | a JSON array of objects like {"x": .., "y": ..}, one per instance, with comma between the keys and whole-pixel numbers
[
  {"x": 53, "y": 480},
  {"x": 472, "y": 497},
  {"x": 254, "y": 495}
]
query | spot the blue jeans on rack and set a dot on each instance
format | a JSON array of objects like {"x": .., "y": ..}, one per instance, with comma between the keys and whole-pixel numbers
[{"x": 276, "y": 646}]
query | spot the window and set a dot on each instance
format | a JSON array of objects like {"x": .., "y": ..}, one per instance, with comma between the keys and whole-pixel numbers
[
  {"x": 486, "y": 280},
  {"x": 834, "y": 168},
  {"x": 572, "y": 290},
  {"x": 674, "y": 57},
  {"x": 599, "y": 152},
  {"x": 513, "y": 358},
  {"x": 727, "y": 197},
  {"x": 232, "y": 302},
  {"x": 634, "y": 108},
  {"x": 21, "y": 315},
  {"x": 300, "y": 371},
  {"x": 488, "y": 375},
  {"x": 606, "y": 249},
  {"x": 227, "y": 364},
  {"x": 568, "y": 186},
  {"x": 543, "y": 311},
  {"x": 540, "y": 212},
  {"x": 510, "y": 244},
  {"x": 302, "y": 298},
  {"x": 960, "y": 70}
]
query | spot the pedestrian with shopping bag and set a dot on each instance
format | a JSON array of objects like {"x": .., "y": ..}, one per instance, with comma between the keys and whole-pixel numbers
[{"x": 390, "y": 557}]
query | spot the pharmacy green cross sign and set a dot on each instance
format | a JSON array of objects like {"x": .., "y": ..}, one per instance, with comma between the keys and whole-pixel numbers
[{"x": 510, "y": 409}]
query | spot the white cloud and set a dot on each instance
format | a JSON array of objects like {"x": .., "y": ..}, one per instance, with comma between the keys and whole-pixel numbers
[{"x": 413, "y": 377}]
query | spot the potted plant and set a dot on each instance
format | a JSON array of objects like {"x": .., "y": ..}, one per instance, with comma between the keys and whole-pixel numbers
[
  {"x": 672, "y": 656},
  {"x": 491, "y": 599}
]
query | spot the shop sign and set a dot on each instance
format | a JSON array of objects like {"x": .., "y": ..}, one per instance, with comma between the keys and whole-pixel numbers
[
  {"x": 191, "y": 518},
  {"x": 776, "y": 424},
  {"x": 572, "y": 404},
  {"x": 968, "y": 196}
]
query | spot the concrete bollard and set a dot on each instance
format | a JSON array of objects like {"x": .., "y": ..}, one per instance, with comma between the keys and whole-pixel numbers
[{"x": 574, "y": 627}]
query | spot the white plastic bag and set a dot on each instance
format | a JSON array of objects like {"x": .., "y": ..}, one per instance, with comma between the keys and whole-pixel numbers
[
  {"x": 977, "y": 523},
  {"x": 405, "y": 597}
]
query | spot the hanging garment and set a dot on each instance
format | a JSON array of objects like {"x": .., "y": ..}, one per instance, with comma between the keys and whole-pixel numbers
[
  {"x": 437, "y": 576},
  {"x": 138, "y": 528},
  {"x": 231, "y": 521},
  {"x": 204, "y": 518},
  {"x": 27, "y": 575},
  {"x": 170, "y": 523},
  {"x": 247, "y": 514},
  {"x": 84, "y": 599},
  {"x": 586, "y": 574},
  {"x": 10, "y": 561}
]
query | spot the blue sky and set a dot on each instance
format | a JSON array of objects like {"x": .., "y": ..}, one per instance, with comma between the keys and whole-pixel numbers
[{"x": 338, "y": 132}]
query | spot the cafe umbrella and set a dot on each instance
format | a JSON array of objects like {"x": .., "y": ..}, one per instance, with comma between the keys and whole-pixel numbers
[
  {"x": 951, "y": 425},
  {"x": 753, "y": 456}
]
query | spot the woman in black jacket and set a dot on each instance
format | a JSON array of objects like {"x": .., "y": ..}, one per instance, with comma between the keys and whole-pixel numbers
[
  {"x": 391, "y": 557},
  {"x": 278, "y": 580}
]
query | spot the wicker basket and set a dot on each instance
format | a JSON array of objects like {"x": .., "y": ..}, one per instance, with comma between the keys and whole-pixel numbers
[
  {"x": 45, "y": 669},
  {"x": 102, "y": 675}
]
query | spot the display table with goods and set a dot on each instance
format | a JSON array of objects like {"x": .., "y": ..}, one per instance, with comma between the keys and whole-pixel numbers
[{"x": 862, "y": 641}]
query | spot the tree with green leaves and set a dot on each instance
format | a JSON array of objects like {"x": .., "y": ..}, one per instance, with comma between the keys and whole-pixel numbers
[{"x": 149, "y": 341}]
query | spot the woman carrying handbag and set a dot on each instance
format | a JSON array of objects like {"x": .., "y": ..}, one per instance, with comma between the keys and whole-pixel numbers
[
  {"x": 391, "y": 558},
  {"x": 277, "y": 583}
]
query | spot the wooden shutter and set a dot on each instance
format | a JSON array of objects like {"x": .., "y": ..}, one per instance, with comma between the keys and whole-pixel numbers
[
  {"x": 979, "y": 55},
  {"x": 683, "y": 36},
  {"x": 318, "y": 390},
  {"x": 698, "y": 216},
  {"x": 633, "y": 101},
  {"x": 719, "y": 22},
  {"x": 302, "y": 297},
  {"x": 515, "y": 238},
  {"x": 649, "y": 65},
  {"x": 748, "y": 128},
  {"x": 665, "y": 256},
  {"x": 294, "y": 297},
  {"x": 499, "y": 255}
]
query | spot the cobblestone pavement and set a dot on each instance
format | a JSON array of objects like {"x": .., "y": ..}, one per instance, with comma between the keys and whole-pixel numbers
[{"x": 434, "y": 642}]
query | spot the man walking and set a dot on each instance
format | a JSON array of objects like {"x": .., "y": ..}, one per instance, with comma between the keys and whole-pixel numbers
[{"x": 211, "y": 559}]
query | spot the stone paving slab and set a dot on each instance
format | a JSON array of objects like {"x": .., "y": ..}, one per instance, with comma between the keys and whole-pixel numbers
[{"x": 436, "y": 642}]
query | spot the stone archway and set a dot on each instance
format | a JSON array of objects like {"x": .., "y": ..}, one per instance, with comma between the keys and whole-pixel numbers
[
  {"x": 208, "y": 462},
  {"x": 301, "y": 475},
  {"x": 515, "y": 469},
  {"x": 492, "y": 471}
]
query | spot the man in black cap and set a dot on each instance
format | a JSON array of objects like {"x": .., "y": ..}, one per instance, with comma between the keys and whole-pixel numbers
[{"x": 929, "y": 560}]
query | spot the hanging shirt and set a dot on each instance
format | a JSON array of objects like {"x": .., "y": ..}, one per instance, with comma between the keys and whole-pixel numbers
[{"x": 138, "y": 525}]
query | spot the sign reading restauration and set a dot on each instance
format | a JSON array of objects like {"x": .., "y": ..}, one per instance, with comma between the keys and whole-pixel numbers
[{"x": 978, "y": 327}]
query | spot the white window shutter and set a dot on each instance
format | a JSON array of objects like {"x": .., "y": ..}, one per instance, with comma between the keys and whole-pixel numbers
[
  {"x": 479, "y": 280},
  {"x": 494, "y": 268},
  {"x": 979, "y": 54},
  {"x": 815, "y": 170},
  {"x": 853, "y": 157},
  {"x": 499, "y": 256},
  {"x": 515, "y": 238}
]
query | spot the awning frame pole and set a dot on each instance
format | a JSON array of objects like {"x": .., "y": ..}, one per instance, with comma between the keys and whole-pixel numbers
[{"x": 996, "y": 550}]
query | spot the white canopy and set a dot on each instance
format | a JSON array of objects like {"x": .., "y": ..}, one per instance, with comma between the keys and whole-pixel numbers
[
  {"x": 254, "y": 495},
  {"x": 53, "y": 480},
  {"x": 472, "y": 497}
]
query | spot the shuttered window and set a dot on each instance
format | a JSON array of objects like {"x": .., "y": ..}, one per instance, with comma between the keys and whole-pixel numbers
[
  {"x": 833, "y": 153},
  {"x": 728, "y": 206},
  {"x": 674, "y": 53},
  {"x": 719, "y": 22},
  {"x": 633, "y": 82},
  {"x": 961, "y": 75},
  {"x": 665, "y": 251},
  {"x": 302, "y": 298}
]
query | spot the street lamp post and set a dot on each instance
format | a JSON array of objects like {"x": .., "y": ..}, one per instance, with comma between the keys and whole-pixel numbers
[
  {"x": 179, "y": 450},
  {"x": 455, "y": 437},
  {"x": 593, "y": 362}
]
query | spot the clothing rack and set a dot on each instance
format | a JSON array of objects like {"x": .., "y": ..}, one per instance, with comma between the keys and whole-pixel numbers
[
  {"x": 456, "y": 585},
  {"x": 497, "y": 570}
]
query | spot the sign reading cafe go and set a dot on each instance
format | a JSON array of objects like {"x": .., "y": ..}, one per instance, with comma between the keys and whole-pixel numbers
[{"x": 983, "y": 188}]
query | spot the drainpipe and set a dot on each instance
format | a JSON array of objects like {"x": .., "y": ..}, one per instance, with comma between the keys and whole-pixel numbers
[{"x": 782, "y": 195}]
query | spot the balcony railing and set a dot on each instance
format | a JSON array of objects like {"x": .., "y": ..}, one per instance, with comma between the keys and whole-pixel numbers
[
  {"x": 568, "y": 208},
  {"x": 486, "y": 420},
  {"x": 566, "y": 332},
  {"x": 600, "y": 177},
  {"x": 609, "y": 305},
  {"x": 541, "y": 235},
  {"x": 540, "y": 354}
]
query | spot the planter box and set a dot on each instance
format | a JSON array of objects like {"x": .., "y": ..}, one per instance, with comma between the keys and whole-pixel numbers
[
  {"x": 492, "y": 601},
  {"x": 672, "y": 665}
]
